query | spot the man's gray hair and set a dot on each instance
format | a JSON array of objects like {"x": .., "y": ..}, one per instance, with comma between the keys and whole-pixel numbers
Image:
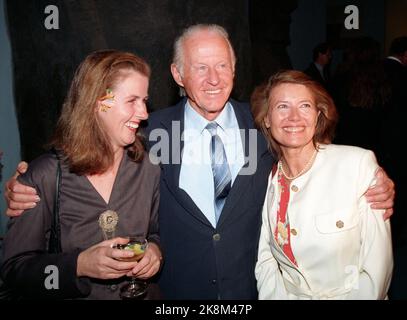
[{"x": 178, "y": 58}]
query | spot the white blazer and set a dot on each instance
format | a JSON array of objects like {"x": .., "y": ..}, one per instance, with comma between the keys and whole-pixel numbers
[{"x": 342, "y": 247}]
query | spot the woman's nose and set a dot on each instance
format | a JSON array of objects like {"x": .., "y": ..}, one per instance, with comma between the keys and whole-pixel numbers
[
  {"x": 294, "y": 114},
  {"x": 141, "y": 112}
]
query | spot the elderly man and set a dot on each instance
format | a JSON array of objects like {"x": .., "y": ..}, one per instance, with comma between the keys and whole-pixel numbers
[{"x": 212, "y": 192}]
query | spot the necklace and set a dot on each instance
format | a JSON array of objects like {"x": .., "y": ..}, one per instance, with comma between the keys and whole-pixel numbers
[{"x": 305, "y": 169}]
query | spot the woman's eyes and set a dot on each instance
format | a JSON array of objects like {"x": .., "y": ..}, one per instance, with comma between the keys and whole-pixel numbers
[{"x": 285, "y": 106}]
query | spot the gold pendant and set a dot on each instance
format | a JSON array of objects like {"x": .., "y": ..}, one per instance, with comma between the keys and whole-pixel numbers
[{"x": 108, "y": 222}]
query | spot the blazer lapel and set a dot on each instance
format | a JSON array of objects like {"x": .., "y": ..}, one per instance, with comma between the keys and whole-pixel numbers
[
  {"x": 242, "y": 181},
  {"x": 171, "y": 171}
]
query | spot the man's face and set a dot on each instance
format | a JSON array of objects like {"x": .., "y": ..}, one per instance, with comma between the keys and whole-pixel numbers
[
  {"x": 325, "y": 58},
  {"x": 208, "y": 72}
]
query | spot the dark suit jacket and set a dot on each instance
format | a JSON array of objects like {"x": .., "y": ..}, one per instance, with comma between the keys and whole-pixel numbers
[
  {"x": 314, "y": 73},
  {"x": 203, "y": 262},
  {"x": 397, "y": 76}
]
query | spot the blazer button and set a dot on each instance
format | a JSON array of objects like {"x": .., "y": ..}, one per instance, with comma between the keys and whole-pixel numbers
[
  {"x": 339, "y": 224},
  {"x": 113, "y": 287},
  {"x": 216, "y": 237},
  {"x": 293, "y": 232},
  {"x": 214, "y": 281},
  {"x": 294, "y": 188}
]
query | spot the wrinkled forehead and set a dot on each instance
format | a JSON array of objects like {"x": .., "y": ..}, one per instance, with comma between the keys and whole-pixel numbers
[{"x": 206, "y": 44}]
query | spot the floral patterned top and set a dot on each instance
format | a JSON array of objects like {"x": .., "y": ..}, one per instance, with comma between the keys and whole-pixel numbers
[{"x": 282, "y": 231}]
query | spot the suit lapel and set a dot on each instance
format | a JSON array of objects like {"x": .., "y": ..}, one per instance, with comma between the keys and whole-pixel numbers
[
  {"x": 171, "y": 171},
  {"x": 240, "y": 185}
]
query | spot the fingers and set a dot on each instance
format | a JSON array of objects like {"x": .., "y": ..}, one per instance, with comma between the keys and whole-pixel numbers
[
  {"x": 387, "y": 204},
  {"x": 13, "y": 213},
  {"x": 99, "y": 262},
  {"x": 388, "y": 213},
  {"x": 21, "y": 206},
  {"x": 110, "y": 243},
  {"x": 121, "y": 254},
  {"x": 383, "y": 195},
  {"x": 142, "y": 267},
  {"x": 378, "y": 194},
  {"x": 380, "y": 174},
  {"x": 21, "y": 168},
  {"x": 17, "y": 188},
  {"x": 381, "y": 192},
  {"x": 19, "y": 196},
  {"x": 150, "y": 264},
  {"x": 383, "y": 184},
  {"x": 377, "y": 189},
  {"x": 116, "y": 256}
]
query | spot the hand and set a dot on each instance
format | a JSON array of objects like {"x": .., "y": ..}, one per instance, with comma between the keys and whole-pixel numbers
[
  {"x": 381, "y": 195},
  {"x": 149, "y": 264},
  {"x": 101, "y": 260},
  {"x": 18, "y": 196}
]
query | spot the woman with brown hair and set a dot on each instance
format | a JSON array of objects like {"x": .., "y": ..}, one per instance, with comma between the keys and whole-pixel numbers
[
  {"x": 108, "y": 188},
  {"x": 319, "y": 238}
]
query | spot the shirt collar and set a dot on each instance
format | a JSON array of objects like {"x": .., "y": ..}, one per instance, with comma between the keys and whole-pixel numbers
[
  {"x": 319, "y": 67},
  {"x": 194, "y": 121},
  {"x": 394, "y": 58}
]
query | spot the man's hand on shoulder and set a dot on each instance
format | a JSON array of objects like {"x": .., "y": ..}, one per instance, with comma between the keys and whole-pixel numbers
[
  {"x": 18, "y": 196},
  {"x": 381, "y": 196}
]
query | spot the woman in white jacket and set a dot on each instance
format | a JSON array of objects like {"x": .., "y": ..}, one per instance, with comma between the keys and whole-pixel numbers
[{"x": 319, "y": 238}]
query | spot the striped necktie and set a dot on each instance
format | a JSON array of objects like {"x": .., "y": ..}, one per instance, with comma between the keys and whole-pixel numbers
[{"x": 220, "y": 170}]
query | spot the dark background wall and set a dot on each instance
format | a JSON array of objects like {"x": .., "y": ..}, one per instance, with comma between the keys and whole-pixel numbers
[{"x": 44, "y": 60}]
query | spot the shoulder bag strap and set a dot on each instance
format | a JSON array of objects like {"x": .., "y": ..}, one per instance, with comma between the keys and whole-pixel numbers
[{"x": 55, "y": 237}]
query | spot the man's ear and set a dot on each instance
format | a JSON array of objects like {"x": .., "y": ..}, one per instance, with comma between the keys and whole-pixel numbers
[{"x": 176, "y": 74}]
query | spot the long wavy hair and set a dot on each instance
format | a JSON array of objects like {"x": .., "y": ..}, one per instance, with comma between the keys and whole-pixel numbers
[{"x": 79, "y": 134}]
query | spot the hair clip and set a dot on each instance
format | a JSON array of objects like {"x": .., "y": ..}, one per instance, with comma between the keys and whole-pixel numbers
[
  {"x": 104, "y": 107},
  {"x": 109, "y": 95}
]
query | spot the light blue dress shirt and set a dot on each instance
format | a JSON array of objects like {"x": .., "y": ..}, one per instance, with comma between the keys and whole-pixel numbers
[{"x": 196, "y": 177}]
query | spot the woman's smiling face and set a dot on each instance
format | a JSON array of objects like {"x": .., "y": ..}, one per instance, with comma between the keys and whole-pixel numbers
[{"x": 292, "y": 115}]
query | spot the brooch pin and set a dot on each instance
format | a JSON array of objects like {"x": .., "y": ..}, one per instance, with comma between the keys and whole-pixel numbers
[{"x": 108, "y": 222}]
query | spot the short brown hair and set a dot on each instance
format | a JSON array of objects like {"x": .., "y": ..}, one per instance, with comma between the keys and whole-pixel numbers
[
  {"x": 78, "y": 133},
  {"x": 327, "y": 119}
]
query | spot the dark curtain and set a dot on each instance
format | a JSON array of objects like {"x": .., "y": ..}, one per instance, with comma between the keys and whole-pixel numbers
[{"x": 44, "y": 60}]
